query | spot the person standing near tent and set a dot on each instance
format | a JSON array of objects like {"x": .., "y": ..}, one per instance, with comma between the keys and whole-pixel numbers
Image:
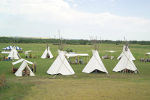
[
  {"x": 81, "y": 61},
  {"x": 34, "y": 66},
  {"x": 76, "y": 60},
  {"x": 30, "y": 56}
]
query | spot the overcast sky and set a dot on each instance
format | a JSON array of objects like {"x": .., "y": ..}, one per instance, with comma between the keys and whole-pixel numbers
[{"x": 76, "y": 19}]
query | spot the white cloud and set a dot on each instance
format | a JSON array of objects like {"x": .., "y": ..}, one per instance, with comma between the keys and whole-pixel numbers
[{"x": 58, "y": 13}]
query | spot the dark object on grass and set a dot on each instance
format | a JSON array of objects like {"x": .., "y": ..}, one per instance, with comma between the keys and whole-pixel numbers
[{"x": 14, "y": 70}]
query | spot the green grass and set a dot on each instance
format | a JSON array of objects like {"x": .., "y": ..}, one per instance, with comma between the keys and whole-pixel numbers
[
  {"x": 86, "y": 89},
  {"x": 15, "y": 89},
  {"x": 81, "y": 86}
]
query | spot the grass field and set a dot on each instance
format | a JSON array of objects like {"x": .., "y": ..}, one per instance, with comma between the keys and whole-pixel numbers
[{"x": 81, "y": 86}]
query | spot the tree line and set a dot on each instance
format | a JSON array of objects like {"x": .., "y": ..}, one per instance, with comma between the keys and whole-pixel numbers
[{"x": 65, "y": 41}]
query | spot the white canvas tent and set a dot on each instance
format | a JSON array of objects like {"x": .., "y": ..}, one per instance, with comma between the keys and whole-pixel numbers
[
  {"x": 68, "y": 55},
  {"x": 148, "y": 53},
  {"x": 129, "y": 52},
  {"x": 125, "y": 63},
  {"x": 111, "y": 51},
  {"x": 5, "y": 52},
  {"x": 13, "y": 54},
  {"x": 47, "y": 53},
  {"x": 95, "y": 63},
  {"x": 61, "y": 66},
  {"x": 23, "y": 66},
  {"x": 27, "y": 52}
]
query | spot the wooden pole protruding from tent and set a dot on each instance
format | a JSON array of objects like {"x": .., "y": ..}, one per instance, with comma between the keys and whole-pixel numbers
[
  {"x": 94, "y": 42},
  {"x": 47, "y": 46},
  {"x": 60, "y": 41}
]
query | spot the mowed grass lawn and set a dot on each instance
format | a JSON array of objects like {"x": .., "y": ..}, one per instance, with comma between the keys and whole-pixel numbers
[{"x": 81, "y": 86}]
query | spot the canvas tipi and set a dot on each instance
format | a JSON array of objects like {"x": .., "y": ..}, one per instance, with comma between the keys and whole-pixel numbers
[
  {"x": 95, "y": 63},
  {"x": 13, "y": 54},
  {"x": 47, "y": 53},
  {"x": 61, "y": 66},
  {"x": 129, "y": 52},
  {"x": 24, "y": 65},
  {"x": 126, "y": 63}
]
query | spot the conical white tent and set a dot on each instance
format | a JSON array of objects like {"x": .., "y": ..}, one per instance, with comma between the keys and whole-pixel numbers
[
  {"x": 13, "y": 54},
  {"x": 61, "y": 66},
  {"x": 95, "y": 63},
  {"x": 125, "y": 63},
  {"x": 47, "y": 53},
  {"x": 23, "y": 66},
  {"x": 122, "y": 54}
]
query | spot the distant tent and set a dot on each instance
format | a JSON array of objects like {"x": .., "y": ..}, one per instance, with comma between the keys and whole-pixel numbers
[
  {"x": 148, "y": 53},
  {"x": 68, "y": 55},
  {"x": 61, "y": 66},
  {"x": 47, "y": 53},
  {"x": 5, "y": 52},
  {"x": 24, "y": 65},
  {"x": 126, "y": 63},
  {"x": 95, "y": 63},
  {"x": 129, "y": 52},
  {"x": 10, "y": 48},
  {"x": 13, "y": 54},
  {"x": 111, "y": 51},
  {"x": 27, "y": 52}
]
